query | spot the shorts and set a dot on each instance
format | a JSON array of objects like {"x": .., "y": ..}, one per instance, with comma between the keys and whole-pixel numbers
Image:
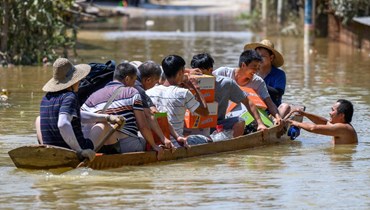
[
  {"x": 111, "y": 149},
  {"x": 197, "y": 139},
  {"x": 132, "y": 144}
]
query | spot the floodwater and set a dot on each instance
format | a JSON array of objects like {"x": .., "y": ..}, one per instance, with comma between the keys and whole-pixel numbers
[{"x": 309, "y": 173}]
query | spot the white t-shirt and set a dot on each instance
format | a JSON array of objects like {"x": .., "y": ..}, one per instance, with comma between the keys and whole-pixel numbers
[
  {"x": 174, "y": 100},
  {"x": 257, "y": 83}
]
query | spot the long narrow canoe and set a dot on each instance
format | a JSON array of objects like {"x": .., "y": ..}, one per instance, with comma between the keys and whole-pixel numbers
[{"x": 47, "y": 157}]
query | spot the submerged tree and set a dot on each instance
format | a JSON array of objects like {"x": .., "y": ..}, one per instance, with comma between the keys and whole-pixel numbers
[
  {"x": 347, "y": 9},
  {"x": 34, "y": 29}
]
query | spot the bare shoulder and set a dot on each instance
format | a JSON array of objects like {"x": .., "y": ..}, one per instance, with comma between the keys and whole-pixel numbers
[{"x": 346, "y": 134}]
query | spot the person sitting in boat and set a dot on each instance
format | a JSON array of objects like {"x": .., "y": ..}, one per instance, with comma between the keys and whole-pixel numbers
[
  {"x": 274, "y": 77},
  {"x": 338, "y": 126},
  {"x": 226, "y": 89},
  {"x": 148, "y": 76},
  {"x": 60, "y": 118},
  {"x": 245, "y": 75},
  {"x": 128, "y": 103},
  {"x": 170, "y": 97}
]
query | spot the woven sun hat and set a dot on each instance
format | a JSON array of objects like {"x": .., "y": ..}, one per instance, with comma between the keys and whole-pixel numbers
[
  {"x": 65, "y": 74},
  {"x": 278, "y": 60}
]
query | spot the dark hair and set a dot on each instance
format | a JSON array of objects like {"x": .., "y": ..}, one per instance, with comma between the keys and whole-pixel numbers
[
  {"x": 248, "y": 56},
  {"x": 345, "y": 107},
  {"x": 149, "y": 69},
  {"x": 202, "y": 61},
  {"x": 123, "y": 70},
  {"x": 172, "y": 64}
]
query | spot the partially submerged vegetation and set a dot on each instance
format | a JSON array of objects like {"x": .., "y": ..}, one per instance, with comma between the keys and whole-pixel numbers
[
  {"x": 348, "y": 9},
  {"x": 292, "y": 15},
  {"x": 33, "y": 30}
]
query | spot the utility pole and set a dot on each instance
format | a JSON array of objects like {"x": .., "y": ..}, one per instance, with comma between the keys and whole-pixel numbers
[
  {"x": 309, "y": 38},
  {"x": 264, "y": 10},
  {"x": 309, "y": 22},
  {"x": 280, "y": 11}
]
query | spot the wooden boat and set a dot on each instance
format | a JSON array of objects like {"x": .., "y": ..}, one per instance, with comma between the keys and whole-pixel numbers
[{"x": 47, "y": 157}]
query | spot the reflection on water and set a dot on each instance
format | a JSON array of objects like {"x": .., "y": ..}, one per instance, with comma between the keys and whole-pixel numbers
[
  {"x": 308, "y": 173},
  {"x": 160, "y": 35}
]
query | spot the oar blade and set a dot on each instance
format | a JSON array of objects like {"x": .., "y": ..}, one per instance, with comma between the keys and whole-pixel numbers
[{"x": 43, "y": 157}]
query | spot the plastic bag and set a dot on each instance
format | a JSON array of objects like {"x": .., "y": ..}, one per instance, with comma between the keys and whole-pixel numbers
[{"x": 221, "y": 135}]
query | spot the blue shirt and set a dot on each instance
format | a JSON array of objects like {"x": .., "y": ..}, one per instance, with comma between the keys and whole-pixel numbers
[
  {"x": 53, "y": 104},
  {"x": 276, "y": 79}
]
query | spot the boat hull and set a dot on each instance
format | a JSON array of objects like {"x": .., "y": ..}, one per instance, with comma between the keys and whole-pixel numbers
[
  {"x": 257, "y": 139},
  {"x": 48, "y": 157}
]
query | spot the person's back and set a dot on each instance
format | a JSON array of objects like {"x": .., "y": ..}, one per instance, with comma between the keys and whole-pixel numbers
[
  {"x": 60, "y": 118},
  {"x": 124, "y": 104},
  {"x": 52, "y": 104},
  {"x": 174, "y": 100},
  {"x": 148, "y": 76},
  {"x": 128, "y": 103}
]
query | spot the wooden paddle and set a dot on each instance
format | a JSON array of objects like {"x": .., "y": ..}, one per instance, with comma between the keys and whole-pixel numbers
[
  {"x": 112, "y": 129},
  {"x": 101, "y": 144},
  {"x": 43, "y": 157}
]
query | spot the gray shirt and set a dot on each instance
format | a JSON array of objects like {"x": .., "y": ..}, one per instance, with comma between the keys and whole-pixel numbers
[
  {"x": 226, "y": 89},
  {"x": 257, "y": 83}
]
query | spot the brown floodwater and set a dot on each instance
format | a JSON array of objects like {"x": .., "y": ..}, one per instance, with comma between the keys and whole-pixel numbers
[{"x": 309, "y": 173}]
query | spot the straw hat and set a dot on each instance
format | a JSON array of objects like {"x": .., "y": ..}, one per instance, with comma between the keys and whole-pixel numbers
[
  {"x": 278, "y": 60},
  {"x": 65, "y": 75}
]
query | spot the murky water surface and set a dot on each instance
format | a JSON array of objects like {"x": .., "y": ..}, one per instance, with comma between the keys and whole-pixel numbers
[{"x": 310, "y": 173}]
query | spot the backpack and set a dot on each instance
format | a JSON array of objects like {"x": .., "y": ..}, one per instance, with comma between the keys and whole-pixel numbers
[{"x": 100, "y": 74}]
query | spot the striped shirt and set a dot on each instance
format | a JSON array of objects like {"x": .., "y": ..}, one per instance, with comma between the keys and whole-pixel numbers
[
  {"x": 53, "y": 104},
  {"x": 125, "y": 103},
  {"x": 174, "y": 100},
  {"x": 147, "y": 102}
]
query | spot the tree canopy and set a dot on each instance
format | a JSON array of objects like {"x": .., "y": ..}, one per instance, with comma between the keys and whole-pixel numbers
[
  {"x": 31, "y": 30},
  {"x": 347, "y": 9}
]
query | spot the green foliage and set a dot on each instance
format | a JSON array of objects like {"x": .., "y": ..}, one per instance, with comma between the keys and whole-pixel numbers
[
  {"x": 347, "y": 9},
  {"x": 253, "y": 18},
  {"x": 35, "y": 29}
]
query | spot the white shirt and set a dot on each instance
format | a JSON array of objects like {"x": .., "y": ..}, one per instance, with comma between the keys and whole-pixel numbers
[{"x": 174, "y": 100}]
